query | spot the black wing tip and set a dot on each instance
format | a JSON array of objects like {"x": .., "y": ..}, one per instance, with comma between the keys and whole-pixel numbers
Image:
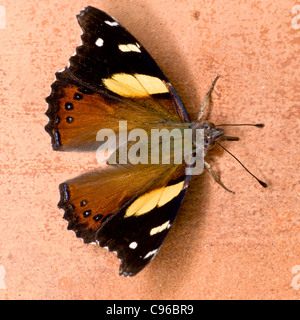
[
  {"x": 126, "y": 274},
  {"x": 86, "y": 9},
  {"x": 130, "y": 271},
  {"x": 80, "y": 15},
  {"x": 89, "y": 11},
  {"x": 124, "y": 269}
]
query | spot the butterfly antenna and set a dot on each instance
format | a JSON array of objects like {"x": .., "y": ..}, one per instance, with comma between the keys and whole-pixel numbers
[
  {"x": 207, "y": 96},
  {"x": 258, "y": 125},
  {"x": 260, "y": 182}
]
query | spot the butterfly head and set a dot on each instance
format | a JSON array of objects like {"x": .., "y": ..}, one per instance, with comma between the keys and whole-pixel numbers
[{"x": 211, "y": 134}]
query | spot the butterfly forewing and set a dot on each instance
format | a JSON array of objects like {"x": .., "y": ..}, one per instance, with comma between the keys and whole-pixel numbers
[
  {"x": 115, "y": 70},
  {"x": 77, "y": 113},
  {"x": 120, "y": 56}
]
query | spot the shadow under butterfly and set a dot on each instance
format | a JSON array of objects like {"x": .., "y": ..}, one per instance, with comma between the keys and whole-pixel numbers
[{"x": 128, "y": 209}]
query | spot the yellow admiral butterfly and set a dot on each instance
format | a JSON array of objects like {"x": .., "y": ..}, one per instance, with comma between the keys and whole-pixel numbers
[{"x": 128, "y": 209}]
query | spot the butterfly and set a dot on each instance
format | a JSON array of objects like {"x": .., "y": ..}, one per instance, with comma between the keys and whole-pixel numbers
[{"x": 128, "y": 209}]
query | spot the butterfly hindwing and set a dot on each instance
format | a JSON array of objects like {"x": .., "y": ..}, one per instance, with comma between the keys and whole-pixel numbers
[
  {"x": 103, "y": 192},
  {"x": 137, "y": 238},
  {"x": 131, "y": 221}
]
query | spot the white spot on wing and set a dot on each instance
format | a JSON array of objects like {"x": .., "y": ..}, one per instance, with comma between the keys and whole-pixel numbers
[
  {"x": 151, "y": 253},
  {"x": 160, "y": 228},
  {"x": 112, "y": 23},
  {"x": 133, "y": 245},
  {"x": 2, "y": 278},
  {"x": 99, "y": 42}
]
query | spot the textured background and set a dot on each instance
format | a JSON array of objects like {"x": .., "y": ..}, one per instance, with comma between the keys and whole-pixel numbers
[{"x": 222, "y": 246}]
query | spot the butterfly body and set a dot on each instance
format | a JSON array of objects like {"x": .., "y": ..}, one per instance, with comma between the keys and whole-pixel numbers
[{"x": 128, "y": 209}]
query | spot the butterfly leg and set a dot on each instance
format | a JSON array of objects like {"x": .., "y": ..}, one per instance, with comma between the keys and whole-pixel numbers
[
  {"x": 207, "y": 96},
  {"x": 210, "y": 170}
]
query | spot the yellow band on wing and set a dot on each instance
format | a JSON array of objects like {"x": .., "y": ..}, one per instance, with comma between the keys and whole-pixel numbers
[
  {"x": 155, "y": 198},
  {"x": 130, "y": 47},
  {"x": 137, "y": 85}
]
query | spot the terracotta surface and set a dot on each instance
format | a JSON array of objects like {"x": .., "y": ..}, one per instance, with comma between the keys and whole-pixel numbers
[{"x": 222, "y": 246}]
